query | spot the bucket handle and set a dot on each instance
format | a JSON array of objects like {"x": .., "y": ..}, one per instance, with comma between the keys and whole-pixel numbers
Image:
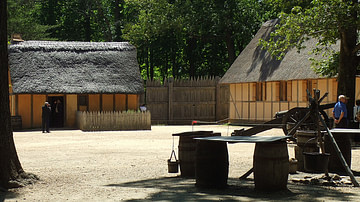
[
  {"x": 309, "y": 140},
  {"x": 173, "y": 153}
]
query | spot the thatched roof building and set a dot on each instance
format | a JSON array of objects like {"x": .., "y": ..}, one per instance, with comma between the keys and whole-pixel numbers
[
  {"x": 45, "y": 67},
  {"x": 257, "y": 65},
  {"x": 72, "y": 77}
]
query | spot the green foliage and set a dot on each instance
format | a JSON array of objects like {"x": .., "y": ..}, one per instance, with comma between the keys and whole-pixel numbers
[
  {"x": 192, "y": 38},
  {"x": 179, "y": 38},
  {"x": 22, "y": 20},
  {"x": 323, "y": 20},
  {"x": 326, "y": 67}
]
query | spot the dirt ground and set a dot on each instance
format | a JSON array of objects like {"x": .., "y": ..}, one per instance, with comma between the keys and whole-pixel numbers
[{"x": 132, "y": 166}]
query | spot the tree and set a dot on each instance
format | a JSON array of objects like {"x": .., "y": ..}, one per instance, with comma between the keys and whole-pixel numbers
[
  {"x": 11, "y": 172},
  {"x": 191, "y": 38},
  {"x": 9, "y": 164},
  {"x": 328, "y": 21},
  {"x": 22, "y": 19}
]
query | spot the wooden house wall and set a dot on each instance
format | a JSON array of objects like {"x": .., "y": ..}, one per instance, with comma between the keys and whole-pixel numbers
[
  {"x": 120, "y": 102},
  {"x": 24, "y": 109},
  {"x": 107, "y": 102},
  {"x": 260, "y": 101},
  {"x": 71, "y": 108},
  {"x": 28, "y": 106},
  {"x": 37, "y": 102}
]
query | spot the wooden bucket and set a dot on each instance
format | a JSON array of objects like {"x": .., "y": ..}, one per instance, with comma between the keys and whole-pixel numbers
[
  {"x": 306, "y": 142},
  {"x": 299, "y": 155},
  {"x": 16, "y": 123},
  {"x": 187, "y": 149},
  {"x": 293, "y": 165},
  {"x": 343, "y": 141},
  {"x": 316, "y": 162},
  {"x": 212, "y": 164},
  {"x": 173, "y": 166},
  {"x": 271, "y": 166}
]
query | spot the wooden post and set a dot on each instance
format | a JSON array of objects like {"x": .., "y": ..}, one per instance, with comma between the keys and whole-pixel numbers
[
  {"x": 170, "y": 102},
  {"x": 218, "y": 106}
]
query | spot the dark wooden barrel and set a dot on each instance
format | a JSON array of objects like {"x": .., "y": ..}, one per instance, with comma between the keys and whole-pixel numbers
[
  {"x": 211, "y": 164},
  {"x": 187, "y": 149},
  {"x": 306, "y": 138},
  {"x": 343, "y": 141},
  {"x": 271, "y": 166},
  {"x": 306, "y": 142},
  {"x": 16, "y": 123}
]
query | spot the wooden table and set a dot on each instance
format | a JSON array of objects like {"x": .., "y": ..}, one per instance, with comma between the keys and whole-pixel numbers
[{"x": 271, "y": 161}]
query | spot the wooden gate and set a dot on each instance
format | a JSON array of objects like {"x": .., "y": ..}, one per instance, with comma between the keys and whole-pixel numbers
[{"x": 182, "y": 101}]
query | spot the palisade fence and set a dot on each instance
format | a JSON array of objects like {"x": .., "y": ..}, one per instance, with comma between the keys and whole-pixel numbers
[
  {"x": 182, "y": 101},
  {"x": 114, "y": 120}
]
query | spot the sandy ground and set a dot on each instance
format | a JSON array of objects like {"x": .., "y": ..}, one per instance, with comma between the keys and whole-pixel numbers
[{"x": 132, "y": 166}]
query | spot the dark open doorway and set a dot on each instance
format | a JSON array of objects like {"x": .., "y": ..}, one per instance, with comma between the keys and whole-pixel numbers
[{"x": 57, "y": 111}]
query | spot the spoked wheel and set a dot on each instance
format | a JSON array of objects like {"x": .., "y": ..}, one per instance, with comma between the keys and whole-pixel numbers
[
  {"x": 292, "y": 117},
  {"x": 297, "y": 114}
]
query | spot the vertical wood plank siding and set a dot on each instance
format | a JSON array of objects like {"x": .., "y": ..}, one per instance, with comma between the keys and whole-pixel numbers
[
  {"x": 278, "y": 96},
  {"x": 181, "y": 101}
]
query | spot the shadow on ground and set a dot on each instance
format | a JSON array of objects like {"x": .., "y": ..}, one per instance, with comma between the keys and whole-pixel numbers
[
  {"x": 181, "y": 189},
  {"x": 7, "y": 195}
]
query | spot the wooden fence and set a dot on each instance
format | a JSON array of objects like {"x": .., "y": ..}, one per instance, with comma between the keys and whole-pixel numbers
[
  {"x": 181, "y": 101},
  {"x": 105, "y": 121}
]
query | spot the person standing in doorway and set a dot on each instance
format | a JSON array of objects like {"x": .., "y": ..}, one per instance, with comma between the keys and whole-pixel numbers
[
  {"x": 46, "y": 112},
  {"x": 340, "y": 113}
]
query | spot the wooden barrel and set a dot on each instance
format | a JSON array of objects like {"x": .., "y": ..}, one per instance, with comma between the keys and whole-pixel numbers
[
  {"x": 16, "y": 123},
  {"x": 271, "y": 166},
  {"x": 306, "y": 142},
  {"x": 212, "y": 164},
  {"x": 306, "y": 137},
  {"x": 187, "y": 149},
  {"x": 343, "y": 141}
]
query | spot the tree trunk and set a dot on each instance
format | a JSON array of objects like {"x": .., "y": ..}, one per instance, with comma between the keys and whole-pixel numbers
[
  {"x": 151, "y": 61},
  {"x": 10, "y": 167},
  {"x": 348, "y": 64},
  {"x": 230, "y": 46},
  {"x": 87, "y": 26},
  {"x": 191, "y": 45},
  {"x": 118, "y": 7}
]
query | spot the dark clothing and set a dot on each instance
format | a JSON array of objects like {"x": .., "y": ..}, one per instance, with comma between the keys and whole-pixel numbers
[
  {"x": 342, "y": 124},
  {"x": 46, "y": 112}
]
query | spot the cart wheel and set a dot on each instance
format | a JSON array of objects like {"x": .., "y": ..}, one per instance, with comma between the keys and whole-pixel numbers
[{"x": 295, "y": 115}]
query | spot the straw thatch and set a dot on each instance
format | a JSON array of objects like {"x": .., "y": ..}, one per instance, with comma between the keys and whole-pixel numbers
[
  {"x": 74, "y": 67},
  {"x": 257, "y": 65}
]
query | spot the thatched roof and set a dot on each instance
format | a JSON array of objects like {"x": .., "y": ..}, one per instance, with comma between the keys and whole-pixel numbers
[
  {"x": 257, "y": 65},
  {"x": 74, "y": 67}
]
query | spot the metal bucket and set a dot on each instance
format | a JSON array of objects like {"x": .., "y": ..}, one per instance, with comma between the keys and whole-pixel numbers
[{"x": 316, "y": 162}]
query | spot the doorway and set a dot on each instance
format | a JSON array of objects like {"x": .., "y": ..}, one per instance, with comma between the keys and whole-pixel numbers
[{"x": 57, "y": 111}]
